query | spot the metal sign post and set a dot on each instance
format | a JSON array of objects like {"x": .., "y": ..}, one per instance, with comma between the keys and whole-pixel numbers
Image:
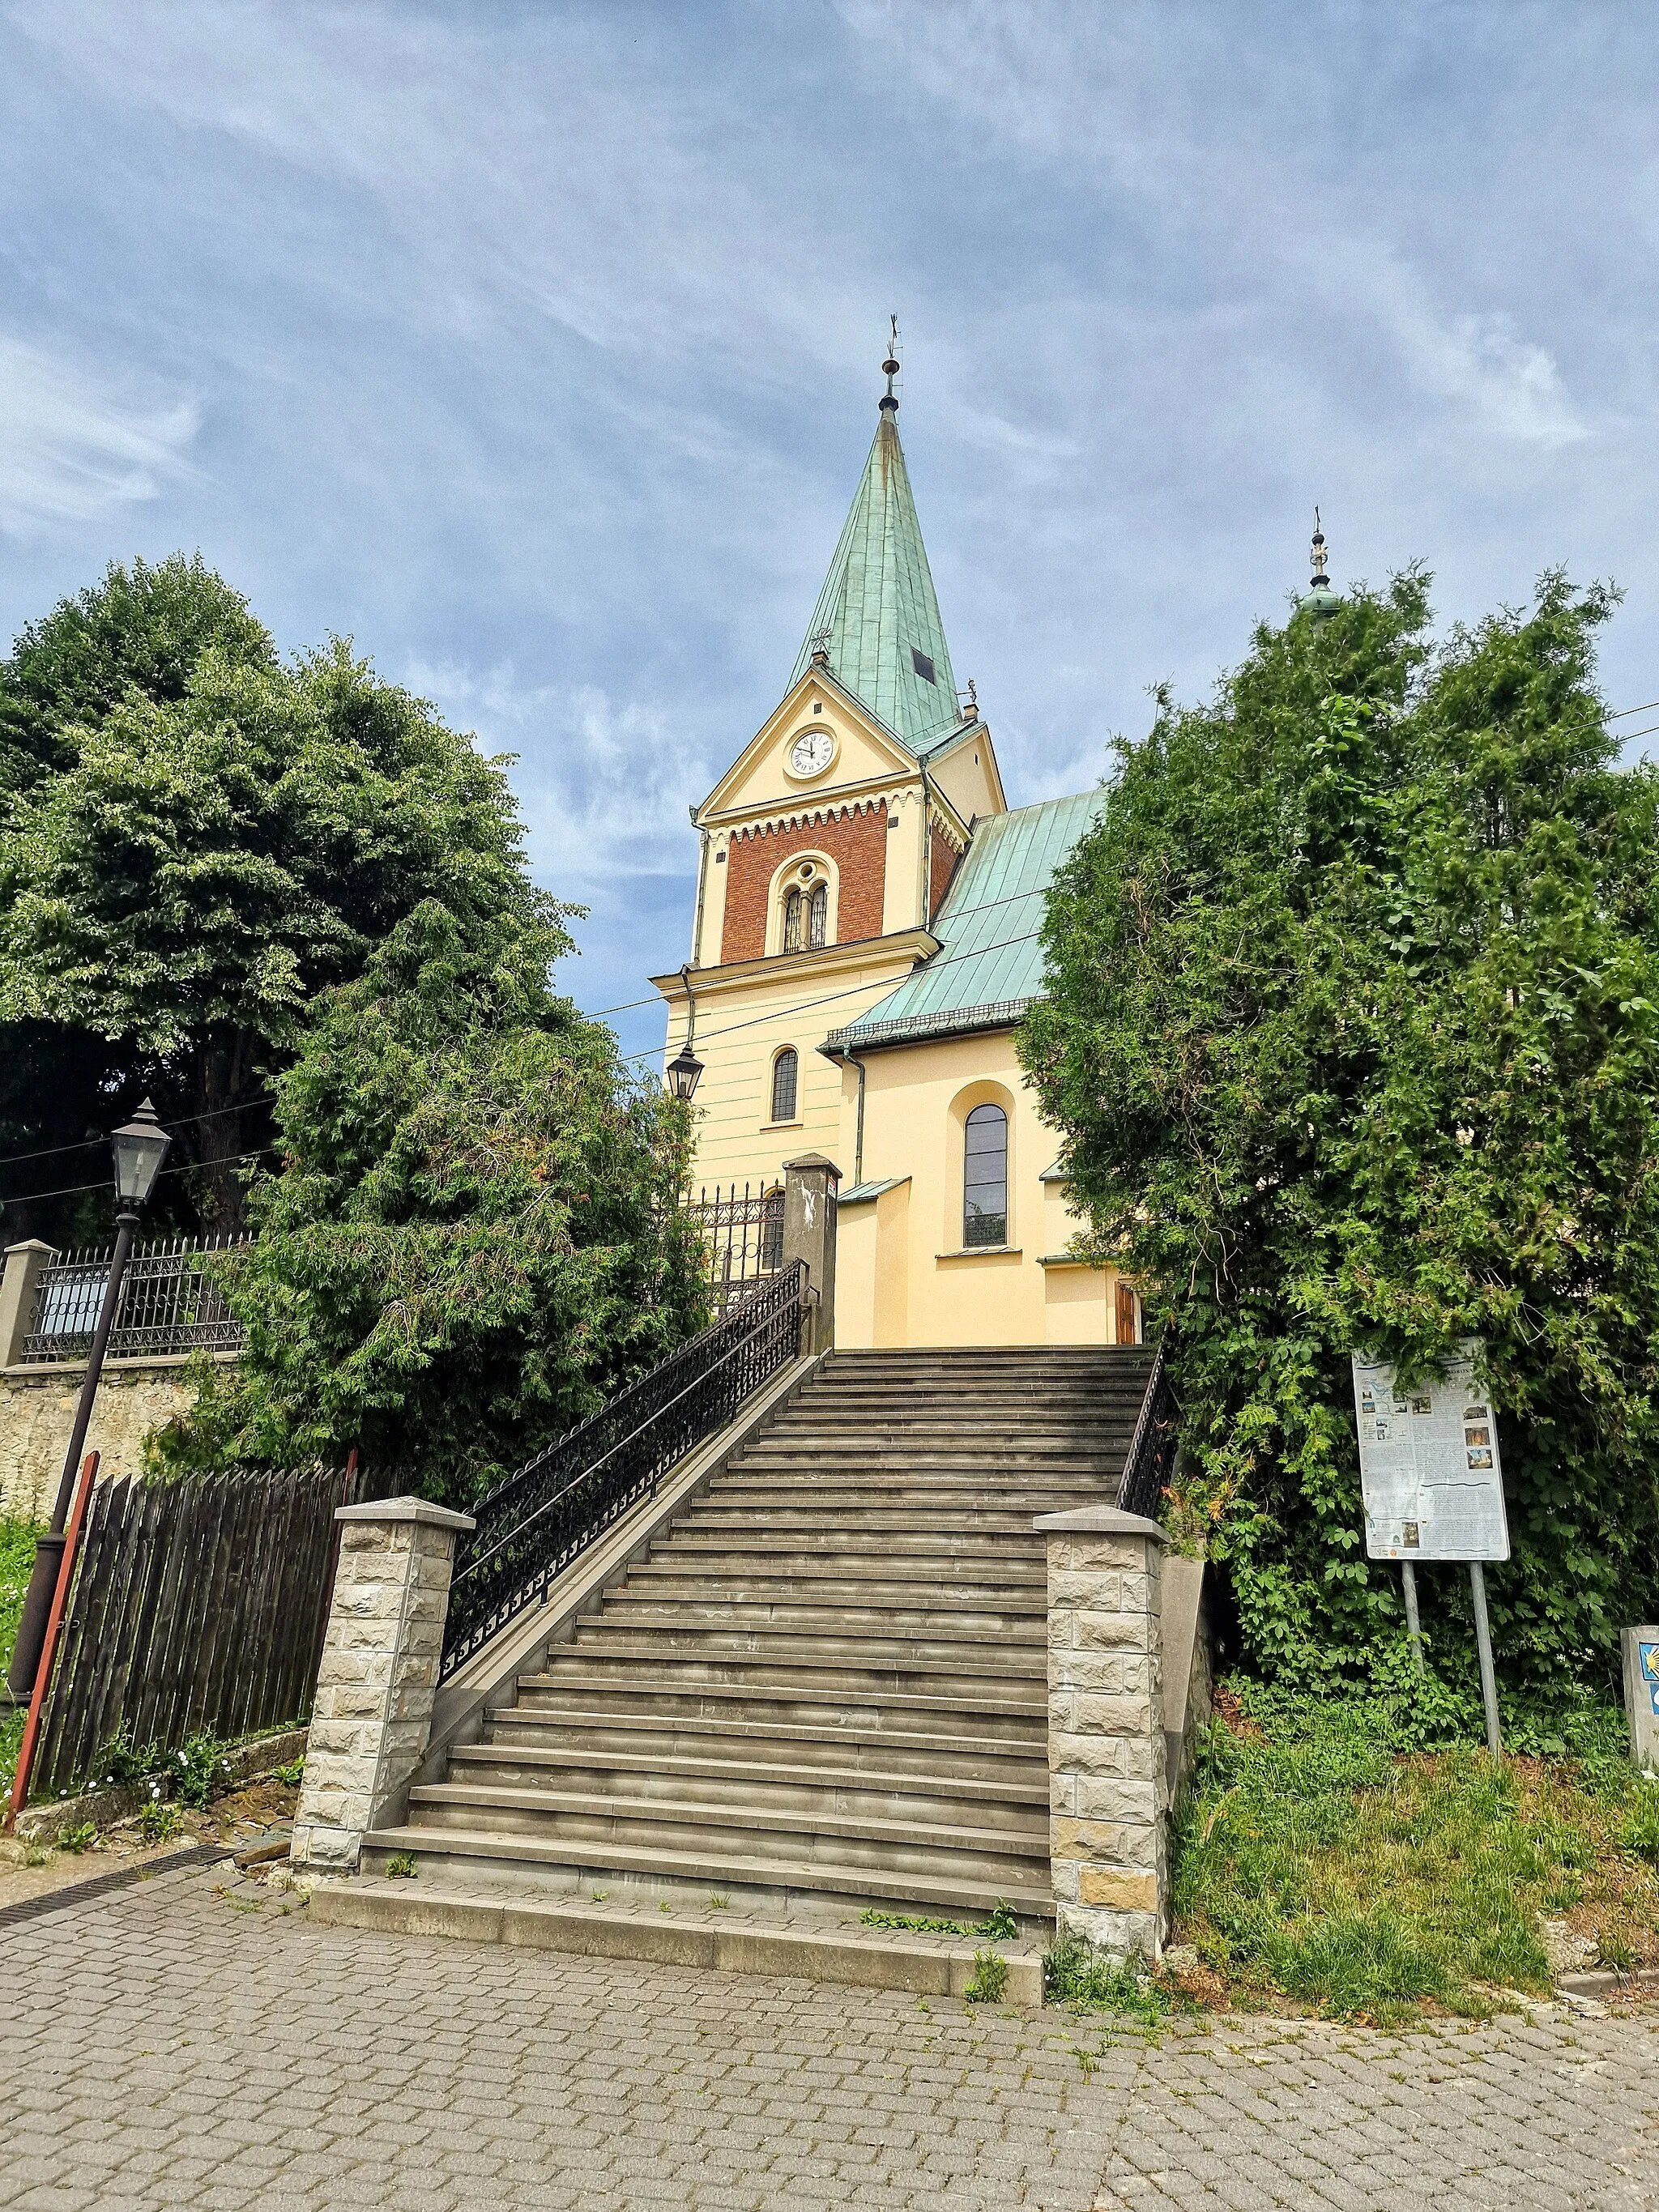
[{"x": 1433, "y": 1484}]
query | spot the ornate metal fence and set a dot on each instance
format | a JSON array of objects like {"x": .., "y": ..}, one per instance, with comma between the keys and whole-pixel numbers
[
  {"x": 532, "y": 1525},
  {"x": 1150, "y": 1464},
  {"x": 169, "y": 1304},
  {"x": 743, "y": 1234}
]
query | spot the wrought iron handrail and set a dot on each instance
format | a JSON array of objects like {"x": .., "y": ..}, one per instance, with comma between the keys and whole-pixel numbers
[
  {"x": 1153, "y": 1448},
  {"x": 531, "y": 1526}
]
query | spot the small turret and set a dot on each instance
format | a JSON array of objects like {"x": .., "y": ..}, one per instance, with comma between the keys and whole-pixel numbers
[{"x": 1319, "y": 600}]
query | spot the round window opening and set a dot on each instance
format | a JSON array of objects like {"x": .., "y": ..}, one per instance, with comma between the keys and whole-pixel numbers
[{"x": 807, "y": 873}]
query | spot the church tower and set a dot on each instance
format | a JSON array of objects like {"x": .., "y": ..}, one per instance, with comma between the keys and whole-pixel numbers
[{"x": 829, "y": 844}]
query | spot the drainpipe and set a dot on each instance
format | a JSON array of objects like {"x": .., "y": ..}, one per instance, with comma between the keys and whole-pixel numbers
[
  {"x": 858, "y": 1133},
  {"x": 702, "y": 885}
]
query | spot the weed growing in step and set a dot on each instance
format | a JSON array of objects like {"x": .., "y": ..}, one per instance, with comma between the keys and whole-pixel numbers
[
  {"x": 990, "y": 1980},
  {"x": 400, "y": 1866},
  {"x": 198, "y": 1768},
  {"x": 1076, "y": 1974},
  {"x": 292, "y": 1775},
  {"x": 718, "y": 1903},
  {"x": 159, "y": 1822},
  {"x": 81, "y": 1837},
  {"x": 1000, "y": 1925}
]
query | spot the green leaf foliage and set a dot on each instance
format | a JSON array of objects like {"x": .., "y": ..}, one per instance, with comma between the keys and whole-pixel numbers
[
  {"x": 473, "y": 1239},
  {"x": 1351, "y": 1035},
  {"x": 205, "y": 838}
]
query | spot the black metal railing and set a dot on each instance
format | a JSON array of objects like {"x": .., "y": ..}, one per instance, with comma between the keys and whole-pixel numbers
[
  {"x": 1149, "y": 1467},
  {"x": 532, "y": 1525},
  {"x": 743, "y": 1234},
  {"x": 170, "y": 1303}
]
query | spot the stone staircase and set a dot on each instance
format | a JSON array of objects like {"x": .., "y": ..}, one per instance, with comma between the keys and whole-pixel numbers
[{"x": 826, "y": 1687}]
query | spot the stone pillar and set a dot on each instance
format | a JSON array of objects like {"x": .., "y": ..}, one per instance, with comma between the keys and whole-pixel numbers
[
  {"x": 25, "y": 1264},
  {"x": 810, "y": 1185},
  {"x": 1108, "y": 1796},
  {"x": 377, "y": 1677}
]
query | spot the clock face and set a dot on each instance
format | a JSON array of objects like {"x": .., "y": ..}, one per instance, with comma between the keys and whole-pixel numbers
[{"x": 811, "y": 752}]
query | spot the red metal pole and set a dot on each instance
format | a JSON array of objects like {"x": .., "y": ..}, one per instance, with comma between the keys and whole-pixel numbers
[{"x": 20, "y": 1787}]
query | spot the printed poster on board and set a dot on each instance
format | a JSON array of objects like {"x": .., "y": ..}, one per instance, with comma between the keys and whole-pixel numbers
[{"x": 1429, "y": 1465}]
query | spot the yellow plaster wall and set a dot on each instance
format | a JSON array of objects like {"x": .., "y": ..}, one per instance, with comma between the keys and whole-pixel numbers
[
  {"x": 741, "y": 1027},
  {"x": 901, "y": 1255},
  {"x": 968, "y": 778}
]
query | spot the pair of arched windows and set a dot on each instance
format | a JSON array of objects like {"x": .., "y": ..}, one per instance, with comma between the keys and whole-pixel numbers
[
  {"x": 985, "y": 1177},
  {"x": 805, "y": 918}
]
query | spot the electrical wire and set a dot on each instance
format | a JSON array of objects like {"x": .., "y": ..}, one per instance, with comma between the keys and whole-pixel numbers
[{"x": 184, "y": 1167}]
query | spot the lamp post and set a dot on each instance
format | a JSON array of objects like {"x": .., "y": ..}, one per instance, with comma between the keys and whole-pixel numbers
[{"x": 140, "y": 1147}]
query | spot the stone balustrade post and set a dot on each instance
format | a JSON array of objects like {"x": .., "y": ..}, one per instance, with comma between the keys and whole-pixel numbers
[
  {"x": 810, "y": 1185},
  {"x": 377, "y": 1677},
  {"x": 1108, "y": 1793},
  {"x": 20, "y": 1284}
]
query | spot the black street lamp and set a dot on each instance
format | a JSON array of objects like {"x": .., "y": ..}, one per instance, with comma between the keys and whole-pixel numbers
[
  {"x": 140, "y": 1147},
  {"x": 684, "y": 1072}
]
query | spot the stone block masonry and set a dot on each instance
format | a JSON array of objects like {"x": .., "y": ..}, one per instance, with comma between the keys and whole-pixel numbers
[
  {"x": 373, "y": 1713},
  {"x": 1109, "y": 1795}
]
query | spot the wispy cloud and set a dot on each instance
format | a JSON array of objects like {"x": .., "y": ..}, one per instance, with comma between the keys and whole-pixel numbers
[
  {"x": 607, "y": 786},
  {"x": 76, "y": 447}
]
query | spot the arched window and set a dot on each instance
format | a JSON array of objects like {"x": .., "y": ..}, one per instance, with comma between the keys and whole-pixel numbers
[
  {"x": 785, "y": 1072},
  {"x": 793, "y": 908},
  {"x": 985, "y": 1178},
  {"x": 771, "y": 1237},
  {"x": 818, "y": 915}
]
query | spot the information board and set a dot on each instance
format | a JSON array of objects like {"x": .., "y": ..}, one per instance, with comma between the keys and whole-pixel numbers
[{"x": 1429, "y": 1465}]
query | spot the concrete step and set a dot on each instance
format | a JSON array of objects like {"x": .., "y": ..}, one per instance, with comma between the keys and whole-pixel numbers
[
  {"x": 963, "y": 1801},
  {"x": 1019, "y": 1715},
  {"x": 737, "y": 1623},
  {"x": 759, "y": 1654},
  {"x": 998, "y": 1856},
  {"x": 670, "y": 1581},
  {"x": 940, "y": 1554},
  {"x": 538, "y": 1864},
  {"x": 601, "y": 1731},
  {"x": 694, "y": 1934}
]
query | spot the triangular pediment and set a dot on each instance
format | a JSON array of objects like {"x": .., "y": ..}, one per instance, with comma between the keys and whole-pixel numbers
[{"x": 817, "y": 715}]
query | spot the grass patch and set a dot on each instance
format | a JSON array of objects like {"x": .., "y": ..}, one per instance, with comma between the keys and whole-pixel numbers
[
  {"x": 1326, "y": 1855},
  {"x": 17, "y": 1564}
]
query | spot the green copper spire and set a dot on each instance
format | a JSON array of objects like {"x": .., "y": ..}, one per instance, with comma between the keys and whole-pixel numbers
[{"x": 877, "y": 618}]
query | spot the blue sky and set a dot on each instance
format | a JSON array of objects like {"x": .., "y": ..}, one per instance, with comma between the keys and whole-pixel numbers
[{"x": 534, "y": 347}]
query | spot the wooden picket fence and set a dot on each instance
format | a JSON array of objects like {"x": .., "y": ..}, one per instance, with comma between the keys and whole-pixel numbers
[{"x": 197, "y": 1605}]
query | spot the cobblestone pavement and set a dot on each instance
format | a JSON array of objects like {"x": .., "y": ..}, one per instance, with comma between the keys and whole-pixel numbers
[{"x": 186, "y": 2044}]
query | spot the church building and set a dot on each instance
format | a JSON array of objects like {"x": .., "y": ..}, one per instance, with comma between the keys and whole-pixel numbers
[{"x": 864, "y": 942}]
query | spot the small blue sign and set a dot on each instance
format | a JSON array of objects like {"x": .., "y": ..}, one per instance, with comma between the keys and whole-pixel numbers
[{"x": 1653, "y": 1692}]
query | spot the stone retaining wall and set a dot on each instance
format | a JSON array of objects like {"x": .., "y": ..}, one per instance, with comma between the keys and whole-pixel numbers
[{"x": 37, "y": 1411}]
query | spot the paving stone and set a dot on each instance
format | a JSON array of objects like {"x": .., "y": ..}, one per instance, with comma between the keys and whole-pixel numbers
[{"x": 160, "y": 2051}]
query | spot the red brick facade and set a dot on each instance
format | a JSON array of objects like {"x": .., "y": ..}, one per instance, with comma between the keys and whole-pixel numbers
[
  {"x": 855, "y": 840},
  {"x": 941, "y": 866}
]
